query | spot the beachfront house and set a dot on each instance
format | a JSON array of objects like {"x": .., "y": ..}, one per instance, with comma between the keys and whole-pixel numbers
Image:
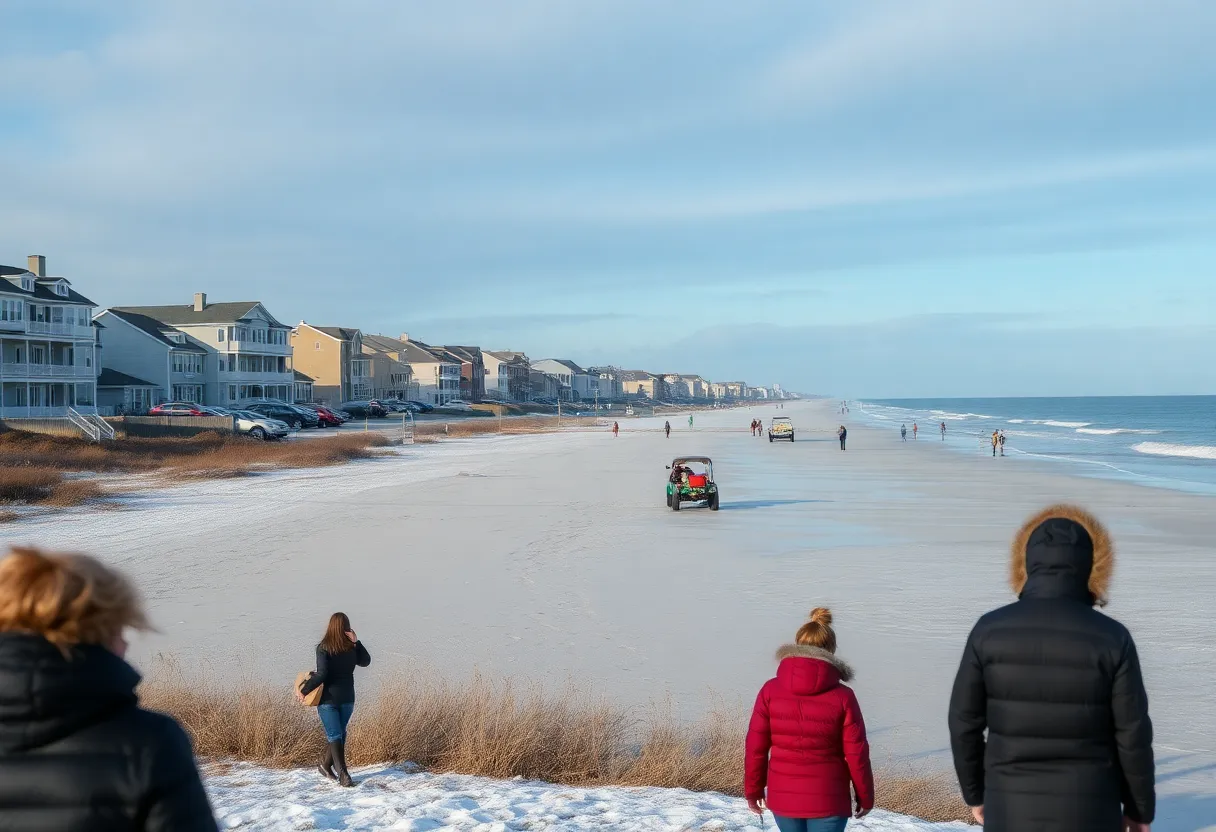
[
  {"x": 224, "y": 353},
  {"x": 574, "y": 383},
  {"x": 641, "y": 384},
  {"x": 48, "y": 345},
  {"x": 423, "y": 373},
  {"x": 605, "y": 383},
  {"x": 332, "y": 356},
  {"x": 508, "y": 375},
  {"x": 472, "y": 372},
  {"x": 138, "y": 347}
]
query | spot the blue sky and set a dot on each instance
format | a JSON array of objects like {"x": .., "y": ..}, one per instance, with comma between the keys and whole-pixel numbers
[{"x": 862, "y": 199}]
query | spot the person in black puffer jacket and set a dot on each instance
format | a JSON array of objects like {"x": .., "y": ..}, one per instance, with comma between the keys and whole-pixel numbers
[
  {"x": 77, "y": 753},
  {"x": 339, "y": 652},
  {"x": 1057, "y": 686}
]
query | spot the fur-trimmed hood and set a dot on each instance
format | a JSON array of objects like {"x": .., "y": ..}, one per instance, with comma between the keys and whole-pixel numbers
[
  {"x": 805, "y": 651},
  {"x": 1063, "y": 545}
]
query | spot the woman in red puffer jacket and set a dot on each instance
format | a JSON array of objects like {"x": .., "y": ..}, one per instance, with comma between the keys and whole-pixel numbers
[{"x": 807, "y": 741}]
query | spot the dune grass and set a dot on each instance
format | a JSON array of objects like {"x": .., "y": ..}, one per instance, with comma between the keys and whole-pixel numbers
[
  {"x": 40, "y": 485},
  {"x": 494, "y": 729}
]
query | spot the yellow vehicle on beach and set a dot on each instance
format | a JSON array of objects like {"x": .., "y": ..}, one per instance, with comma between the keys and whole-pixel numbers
[{"x": 781, "y": 428}]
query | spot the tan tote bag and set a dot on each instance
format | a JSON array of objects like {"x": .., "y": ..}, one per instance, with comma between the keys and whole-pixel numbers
[{"x": 313, "y": 699}]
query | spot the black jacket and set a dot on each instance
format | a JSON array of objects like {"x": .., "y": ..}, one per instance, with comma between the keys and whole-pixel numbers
[
  {"x": 1057, "y": 686},
  {"x": 77, "y": 754},
  {"x": 337, "y": 674}
]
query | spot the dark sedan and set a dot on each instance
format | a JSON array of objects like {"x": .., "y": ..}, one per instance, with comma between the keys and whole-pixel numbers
[{"x": 297, "y": 417}]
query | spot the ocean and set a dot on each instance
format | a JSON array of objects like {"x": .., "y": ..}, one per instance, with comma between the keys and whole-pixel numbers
[{"x": 1162, "y": 441}]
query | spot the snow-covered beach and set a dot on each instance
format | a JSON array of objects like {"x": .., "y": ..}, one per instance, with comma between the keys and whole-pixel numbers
[{"x": 552, "y": 558}]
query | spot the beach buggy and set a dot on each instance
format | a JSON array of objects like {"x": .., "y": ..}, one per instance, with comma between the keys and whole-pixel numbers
[
  {"x": 781, "y": 428},
  {"x": 692, "y": 481}
]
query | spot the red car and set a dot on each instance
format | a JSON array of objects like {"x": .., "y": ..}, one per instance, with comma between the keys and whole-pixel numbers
[
  {"x": 328, "y": 418},
  {"x": 177, "y": 409}
]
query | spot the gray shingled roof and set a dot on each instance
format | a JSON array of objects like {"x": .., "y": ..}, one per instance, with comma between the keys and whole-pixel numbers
[
  {"x": 342, "y": 333},
  {"x": 153, "y": 327},
  {"x": 113, "y": 378},
  {"x": 41, "y": 291},
  {"x": 301, "y": 377},
  {"x": 569, "y": 365},
  {"x": 213, "y": 313}
]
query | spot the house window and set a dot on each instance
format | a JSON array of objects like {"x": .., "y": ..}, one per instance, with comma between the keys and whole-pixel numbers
[
  {"x": 219, "y": 335},
  {"x": 231, "y": 392},
  {"x": 316, "y": 345},
  {"x": 11, "y": 310},
  {"x": 84, "y": 394},
  {"x": 219, "y": 364}
]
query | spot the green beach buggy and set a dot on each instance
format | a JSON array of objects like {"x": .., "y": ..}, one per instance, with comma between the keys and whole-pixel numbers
[{"x": 691, "y": 481}]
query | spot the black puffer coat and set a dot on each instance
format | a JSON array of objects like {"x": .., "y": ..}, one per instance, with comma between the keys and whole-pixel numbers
[
  {"x": 1057, "y": 685},
  {"x": 77, "y": 754}
]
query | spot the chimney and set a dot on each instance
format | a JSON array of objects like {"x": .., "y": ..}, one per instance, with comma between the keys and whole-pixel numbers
[
  {"x": 405, "y": 336},
  {"x": 37, "y": 264},
  {"x": 200, "y": 301}
]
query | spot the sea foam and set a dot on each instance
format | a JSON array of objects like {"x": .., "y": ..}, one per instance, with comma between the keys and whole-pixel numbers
[{"x": 1167, "y": 449}]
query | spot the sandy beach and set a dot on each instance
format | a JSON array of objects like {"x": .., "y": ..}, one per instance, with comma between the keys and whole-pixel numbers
[{"x": 553, "y": 558}]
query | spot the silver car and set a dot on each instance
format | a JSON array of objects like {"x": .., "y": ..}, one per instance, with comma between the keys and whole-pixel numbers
[{"x": 258, "y": 426}]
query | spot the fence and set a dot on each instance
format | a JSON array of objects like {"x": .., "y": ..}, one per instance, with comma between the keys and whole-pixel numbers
[{"x": 156, "y": 426}]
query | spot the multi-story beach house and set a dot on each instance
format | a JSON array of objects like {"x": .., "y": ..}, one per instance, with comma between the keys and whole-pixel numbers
[
  {"x": 432, "y": 375},
  {"x": 472, "y": 372},
  {"x": 246, "y": 351},
  {"x": 48, "y": 345},
  {"x": 332, "y": 356},
  {"x": 508, "y": 375},
  {"x": 641, "y": 383},
  {"x": 605, "y": 383},
  {"x": 568, "y": 376}
]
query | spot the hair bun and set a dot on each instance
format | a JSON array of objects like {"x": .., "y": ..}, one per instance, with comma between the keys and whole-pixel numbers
[{"x": 821, "y": 615}]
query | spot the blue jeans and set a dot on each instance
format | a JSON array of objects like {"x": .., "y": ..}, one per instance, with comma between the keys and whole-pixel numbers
[
  {"x": 334, "y": 719},
  {"x": 810, "y": 824}
]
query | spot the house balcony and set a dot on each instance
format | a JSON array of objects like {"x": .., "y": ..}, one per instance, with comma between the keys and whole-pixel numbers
[
  {"x": 20, "y": 412},
  {"x": 48, "y": 328},
  {"x": 11, "y": 370}
]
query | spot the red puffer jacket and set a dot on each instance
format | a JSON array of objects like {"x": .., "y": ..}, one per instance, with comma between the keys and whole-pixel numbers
[{"x": 807, "y": 741}]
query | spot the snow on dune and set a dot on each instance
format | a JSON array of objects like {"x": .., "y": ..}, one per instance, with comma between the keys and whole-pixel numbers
[{"x": 248, "y": 798}]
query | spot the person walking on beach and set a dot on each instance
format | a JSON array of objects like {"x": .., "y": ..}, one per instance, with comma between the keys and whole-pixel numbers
[
  {"x": 843, "y": 433},
  {"x": 996, "y": 440},
  {"x": 943, "y": 431},
  {"x": 689, "y": 420},
  {"x": 903, "y": 432},
  {"x": 806, "y": 743},
  {"x": 915, "y": 428},
  {"x": 667, "y": 428},
  {"x": 1057, "y": 687},
  {"x": 339, "y": 652},
  {"x": 1002, "y": 442},
  {"x": 616, "y": 429},
  {"x": 76, "y": 750}
]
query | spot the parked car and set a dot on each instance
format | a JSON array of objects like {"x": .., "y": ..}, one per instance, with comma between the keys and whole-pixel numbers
[
  {"x": 423, "y": 407},
  {"x": 364, "y": 409},
  {"x": 456, "y": 404},
  {"x": 328, "y": 417},
  {"x": 178, "y": 409},
  {"x": 297, "y": 417},
  {"x": 257, "y": 426},
  {"x": 216, "y": 411}
]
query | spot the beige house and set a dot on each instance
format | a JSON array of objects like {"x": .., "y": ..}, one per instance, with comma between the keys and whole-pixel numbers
[
  {"x": 332, "y": 356},
  {"x": 433, "y": 373},
  {"x": 641, "y": 383}
]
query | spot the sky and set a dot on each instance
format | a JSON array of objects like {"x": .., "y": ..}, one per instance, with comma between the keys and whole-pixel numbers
[{"x": 857, "y": 199}]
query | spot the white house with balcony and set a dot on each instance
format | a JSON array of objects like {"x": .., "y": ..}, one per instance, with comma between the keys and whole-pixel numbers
[
  {"x": 48, "y": 345},
  {"x": 242, "y": 351}
]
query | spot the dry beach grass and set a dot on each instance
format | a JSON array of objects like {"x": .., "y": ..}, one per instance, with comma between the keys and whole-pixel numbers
[{"x": 494, "y": 729}]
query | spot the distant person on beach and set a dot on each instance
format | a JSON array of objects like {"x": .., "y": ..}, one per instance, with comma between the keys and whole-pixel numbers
[
  {"x": 806, "y": 743},
  {"x": 843, "y": 433},
  {"x": 339, "y": 652},
  {"x": 690, "y": 420},
  {"x": 943, "y": 431},
  {"x": 1002, "y": 441},
  {"x": 903, "y": 432},
  {"x": 76, "y": 750},
  {"x": 667, "y": 429},
  {"x": 996, "y": 441},
  {"x": 616, "y": 429},
  {"x": 915, "y": 429},
  {"x": 1057, "y": 687}
]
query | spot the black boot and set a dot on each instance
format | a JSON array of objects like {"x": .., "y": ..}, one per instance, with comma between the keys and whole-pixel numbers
[
  {"x": 327, "y": 763},
  {"x": 337, "y": 752}
]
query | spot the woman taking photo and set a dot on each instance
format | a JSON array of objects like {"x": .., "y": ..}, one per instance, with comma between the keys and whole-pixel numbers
[
  {"x": 807, "y": 742},
  {"x": 76, "y": 750},
  {"x": 337, "y": 655}
]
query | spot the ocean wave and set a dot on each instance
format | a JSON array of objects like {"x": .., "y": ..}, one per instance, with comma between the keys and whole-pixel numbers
[
  {"x": 1113, "y": 431},
  {"x": 1050, "y": 423},
  {"x": 1167, "y": 449},
  {"x": 958, "y": 417}
]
